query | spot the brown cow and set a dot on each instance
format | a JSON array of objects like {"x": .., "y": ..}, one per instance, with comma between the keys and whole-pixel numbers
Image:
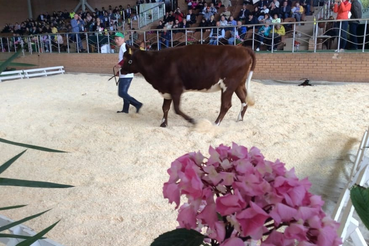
[{"x": 204, "y": 68}]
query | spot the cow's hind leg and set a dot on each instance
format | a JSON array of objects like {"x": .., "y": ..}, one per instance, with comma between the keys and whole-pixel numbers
[
  {"x": 226, "y": 104},
  {"x": 176, "y": 102},
  {"x": 241, "y": 93},
  {"x": 166, "y": 107}
]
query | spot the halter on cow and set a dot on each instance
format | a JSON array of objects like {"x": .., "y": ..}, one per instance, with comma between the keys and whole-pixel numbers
[{"x": 196, "y": 68}]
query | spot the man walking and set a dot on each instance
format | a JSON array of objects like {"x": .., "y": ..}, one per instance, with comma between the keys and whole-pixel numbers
[
  {"x": 124, "y": 79},
  {"x": 356, "y": 13}
]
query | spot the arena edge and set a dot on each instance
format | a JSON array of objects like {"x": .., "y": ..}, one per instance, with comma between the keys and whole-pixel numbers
[{"x": 343, "y": 67}]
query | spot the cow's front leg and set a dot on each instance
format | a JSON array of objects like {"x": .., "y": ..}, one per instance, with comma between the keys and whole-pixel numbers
[
  {"x": 166, "y": 107},
  {"x": 226, "y": 104},
  {"x": 176, "y": 102}
]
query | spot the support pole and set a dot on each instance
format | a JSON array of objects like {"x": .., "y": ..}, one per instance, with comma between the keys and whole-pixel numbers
[
  {"x": 82, "y": 4},
  {"x": 29, "y": 9}
]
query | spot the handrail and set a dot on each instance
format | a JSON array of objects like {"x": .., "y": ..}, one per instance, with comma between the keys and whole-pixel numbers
[
  {"x": 42, "y": 43},
  {"x": 156, "y": 12}
]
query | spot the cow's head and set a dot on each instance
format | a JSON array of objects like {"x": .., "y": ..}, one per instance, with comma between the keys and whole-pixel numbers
[{"x": 129, "y": 65}]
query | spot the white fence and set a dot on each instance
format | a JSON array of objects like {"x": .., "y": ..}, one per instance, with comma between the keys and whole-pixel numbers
[
  {"x": 29, "y": 73},
  {"x": 349, "y": 227}
]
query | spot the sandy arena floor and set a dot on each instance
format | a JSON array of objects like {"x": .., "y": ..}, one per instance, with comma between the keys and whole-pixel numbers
[{"x": 118, "y": 162}]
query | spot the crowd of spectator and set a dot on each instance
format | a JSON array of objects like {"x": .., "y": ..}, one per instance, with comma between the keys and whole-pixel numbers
[
  {"x": 59, "y": 21},
  {"x": 217, "y": 17}
]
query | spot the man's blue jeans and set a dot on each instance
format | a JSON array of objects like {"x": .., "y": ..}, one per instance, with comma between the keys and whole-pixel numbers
[
  {"x": 343, "y": 33},
  {"x": 123, "y": 87}
]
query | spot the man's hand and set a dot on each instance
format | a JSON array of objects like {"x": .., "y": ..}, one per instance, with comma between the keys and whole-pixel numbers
[{"x": 117, "y": 66}]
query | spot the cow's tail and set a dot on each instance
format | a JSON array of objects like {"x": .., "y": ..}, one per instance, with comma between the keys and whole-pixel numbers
[{"x": 249, "y": 96}]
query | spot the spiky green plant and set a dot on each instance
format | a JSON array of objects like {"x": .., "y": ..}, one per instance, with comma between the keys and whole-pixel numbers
[
  {"x": 25, "y": 183},
  {"x": 8, "y": 62}
]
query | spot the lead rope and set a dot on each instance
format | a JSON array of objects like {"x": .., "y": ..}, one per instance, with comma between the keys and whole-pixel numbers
[{"x": 114, "y": 76}]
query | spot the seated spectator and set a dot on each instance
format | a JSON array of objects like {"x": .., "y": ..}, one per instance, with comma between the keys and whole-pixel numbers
[
  {"x": 211, "y": 21},
  {"x": 306, "y": 5},
  {"x": 169, "y": 25},
  {"x": 265, "y": 18},
  {"x": 161, "y": 25},
  {"x": 165, "y": 37},
  {"x": 207, "y": 14},
  {"x": 170, "y": 17},
  {"x": 256, "y": 12},
  {"x": 243, "y": 13},
  {"x": 273, "y": 10},
  {"x": 285, "y": 10},
  {"x": 238, "y": 34},
  {"x": 191, "y": 17},
  {"x": 251, "y": 21},
  {"x": 184, "y": 24},
  {"x": 175, "y": 26},
  {"x": 205, "y": 8},
  {"x": 279, "y": 31},
  {"x": 276, "y": 3},
  {"x": 226, "y": 13},
  {"x": 223, "y": 21},
  {"x": 263, "y": 32},
  {"x": 261, "y": 3},
  {"x": 232, "y": 21},
  {"x": 195, "y": 4},
  {"x": 216, "y": 34},
  {"x": 201, "y": 4},
  {"x": 189, "y": 4},
  {"x": 276, "y": 19},
  {"x": 297, "y": 12},
  {"x": 213, "y": 9},
  {"x": 203, "y": 24},
  {"x": 166, "y": 18},
  {"x": 264, "y": 10}
]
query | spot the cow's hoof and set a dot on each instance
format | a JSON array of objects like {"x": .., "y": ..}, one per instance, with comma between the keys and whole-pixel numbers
[
  {"x": 192, "y": 121},
  {"x": 163, "y": 125}
]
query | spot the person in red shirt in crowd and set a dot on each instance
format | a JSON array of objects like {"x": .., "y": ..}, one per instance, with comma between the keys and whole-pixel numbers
[{"x": 342, "y": 8}]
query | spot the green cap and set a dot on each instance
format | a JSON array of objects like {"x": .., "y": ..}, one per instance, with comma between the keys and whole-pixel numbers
[{"x": 119, "y": 34}]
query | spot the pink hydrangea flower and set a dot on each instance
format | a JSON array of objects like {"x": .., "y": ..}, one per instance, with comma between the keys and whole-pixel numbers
[{"x": 235, "y": 195}]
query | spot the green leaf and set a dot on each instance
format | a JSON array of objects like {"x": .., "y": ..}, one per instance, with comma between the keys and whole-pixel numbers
[
  {"x": 31, "y": 146},
  {"x": 37, "y": 236},
  {"x": 360, "y": 199},
  {"x": 179, "y": 237},
  {"x": 6, "y": 227},
  {"x": 21, "y": 64},
  {"x": 220, "y": 218},
  {"x": 7, "y": 62},
  {"x": 31, "y": 183},
  {"x": 14, "y": 236},
  {"x": 12, "y": 207},
  {"x": 8, "y": 163}
]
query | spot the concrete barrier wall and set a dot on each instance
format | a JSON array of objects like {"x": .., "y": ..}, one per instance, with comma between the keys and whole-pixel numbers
[{"x": 343, "y": 67}]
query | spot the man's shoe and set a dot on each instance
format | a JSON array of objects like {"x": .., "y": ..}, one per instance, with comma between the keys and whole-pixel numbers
[
  {"x": 138, "y": 108},
  {"x": 122, "y": 112}
]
